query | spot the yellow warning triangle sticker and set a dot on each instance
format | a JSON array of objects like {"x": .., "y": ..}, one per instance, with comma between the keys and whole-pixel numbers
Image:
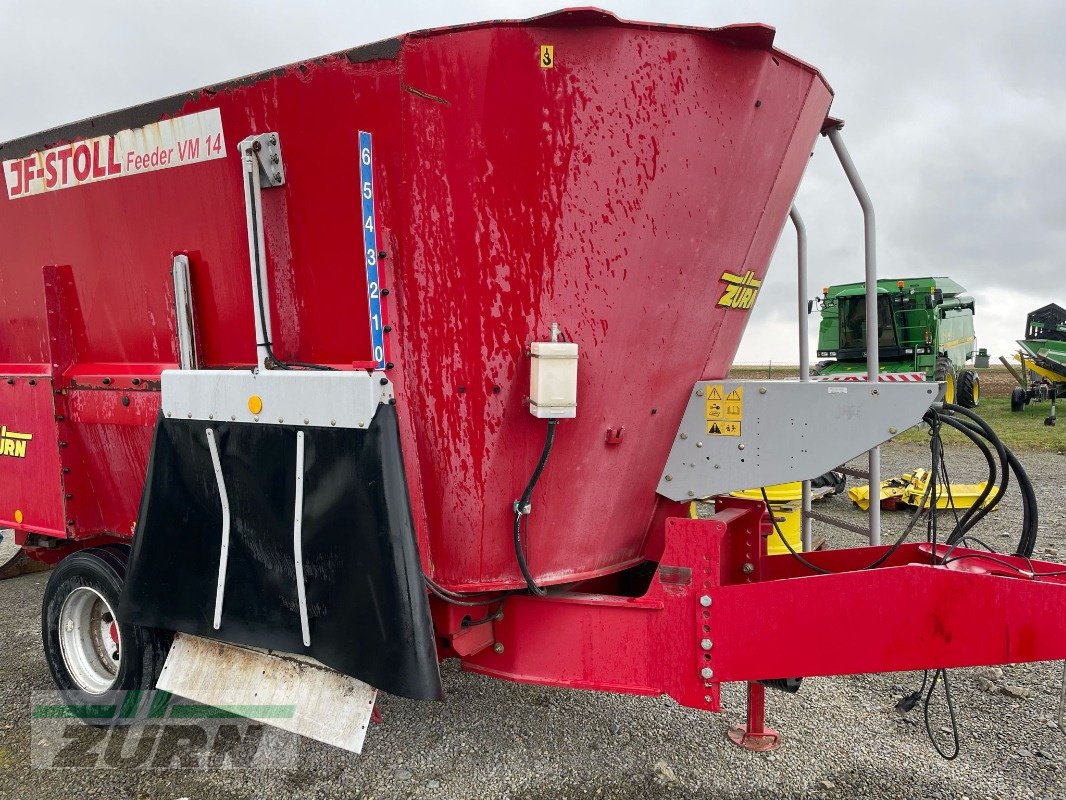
[
  {"x": 714, "y": 428},
  {"x": 714, "y": 393},
  {"x": 736, "y": 394}
]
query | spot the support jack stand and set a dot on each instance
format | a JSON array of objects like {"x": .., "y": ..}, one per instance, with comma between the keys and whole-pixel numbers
[{"x": 756, "y": 736}]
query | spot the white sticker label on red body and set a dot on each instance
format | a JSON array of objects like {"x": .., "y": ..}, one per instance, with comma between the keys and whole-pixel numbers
[{"x": 161, "y": 145}]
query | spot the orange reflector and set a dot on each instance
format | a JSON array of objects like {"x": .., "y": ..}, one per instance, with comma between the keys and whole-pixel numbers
[
  {"x": 255, "y": 404},
  {"x": 18, "y": 515}
]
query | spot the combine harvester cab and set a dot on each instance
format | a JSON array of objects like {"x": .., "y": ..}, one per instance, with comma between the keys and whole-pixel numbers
[
  {"x": 418, "y": 351},
  {"x": 925, "y": 332}
]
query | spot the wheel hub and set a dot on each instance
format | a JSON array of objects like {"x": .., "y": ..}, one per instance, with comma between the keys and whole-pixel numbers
[{"x": 90, "y": 640}]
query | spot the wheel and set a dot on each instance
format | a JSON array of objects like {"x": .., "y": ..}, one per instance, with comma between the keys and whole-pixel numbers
[
  {"x": 88, "y": 651},
  {"x": 944, "y": 372},
  {"x": 969, "y": 389},
  {"x": 1017, "y": 399},
  {"x": 819, "y": 368}
]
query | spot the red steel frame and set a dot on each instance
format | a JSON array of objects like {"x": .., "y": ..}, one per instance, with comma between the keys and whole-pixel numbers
[
  {"x": 718, "y": 610},
  {"x": 610, "y": 194}
]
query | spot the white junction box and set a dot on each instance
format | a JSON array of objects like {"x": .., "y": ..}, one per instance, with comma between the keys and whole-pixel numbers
[{"x": 553, "y": 380}]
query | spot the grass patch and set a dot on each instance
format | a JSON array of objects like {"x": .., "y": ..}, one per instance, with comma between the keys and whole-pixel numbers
[{"x": 1024, "y": 430}]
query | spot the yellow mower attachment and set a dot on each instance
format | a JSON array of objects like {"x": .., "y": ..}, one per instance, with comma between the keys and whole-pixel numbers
[{"x": 908, "y": 490}]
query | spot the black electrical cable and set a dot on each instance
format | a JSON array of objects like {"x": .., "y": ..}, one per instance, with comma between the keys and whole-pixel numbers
[
  {"x": 878, "y": 562},
  {"x": 907, "y": 702},
  {"x": 463, "y": 600},
  {"x": 1032, "y": 573},
  {"x": 522, "y": 504},
  {"x": 495, "y": 616},
  {"x": 948, "y": 492},
  {"x": 937, "y": 675},
  {"x": 936, "y": 449}
]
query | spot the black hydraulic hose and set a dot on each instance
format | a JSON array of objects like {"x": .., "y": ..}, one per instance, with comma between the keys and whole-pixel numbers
[
  {"x": 1030, "y": 511},
  {"x": 979, "y": 513},
  {"x": 522, "y": 504},
  {"x": 961, "y": 526},
  {"x": 936, "y": 447},
  {"x": 979, "y": 426}
]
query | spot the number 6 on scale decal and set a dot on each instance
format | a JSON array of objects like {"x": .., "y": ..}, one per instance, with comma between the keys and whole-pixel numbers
[{"x": 370, "y": 246}]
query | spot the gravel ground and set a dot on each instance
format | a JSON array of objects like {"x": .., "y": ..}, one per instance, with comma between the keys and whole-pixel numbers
[{"x": 842, "y": 736}]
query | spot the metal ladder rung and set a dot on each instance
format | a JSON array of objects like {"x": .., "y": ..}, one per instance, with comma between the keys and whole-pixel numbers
[
  {"x": 838, "y": 523},
  {"x": 853, "y": 472}
]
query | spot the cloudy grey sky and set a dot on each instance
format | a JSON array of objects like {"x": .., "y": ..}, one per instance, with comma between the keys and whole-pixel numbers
[{"x": 956, "y": 117}]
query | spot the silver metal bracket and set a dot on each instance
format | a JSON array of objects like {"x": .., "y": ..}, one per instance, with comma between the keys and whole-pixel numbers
[
  {"x": 184, "y": 313},
  {"x": 266, "y": 148},
  {"x": 744, "y": 434},
  {"x": 303, "y": 398}
]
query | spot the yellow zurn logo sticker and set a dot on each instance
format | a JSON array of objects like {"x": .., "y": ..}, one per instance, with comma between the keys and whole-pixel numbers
[
  {"x": 13, "y": 444},
  {"x": 547, "y": 56},
  {"x": 740, "y": 290}
]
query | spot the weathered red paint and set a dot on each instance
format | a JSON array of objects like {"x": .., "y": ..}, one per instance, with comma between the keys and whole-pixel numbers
[{"x": 607, "y": 194}]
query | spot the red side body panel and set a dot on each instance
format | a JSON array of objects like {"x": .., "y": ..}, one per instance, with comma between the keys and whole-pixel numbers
[{"x": 609, "y": 193}]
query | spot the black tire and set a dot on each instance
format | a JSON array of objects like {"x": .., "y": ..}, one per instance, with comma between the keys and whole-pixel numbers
[
  {"x": 1017, "y": 399},
  {"x": 140, "y": 652},
  {"x": 944, "y": 372},
  {"x": 819, "y": 368},
  {"x": 969, "y": 389},
  {"x": 837, "y": 481}
]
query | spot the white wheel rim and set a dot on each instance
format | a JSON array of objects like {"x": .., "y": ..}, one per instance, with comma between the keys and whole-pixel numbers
[{"x": 89, "y": 640}]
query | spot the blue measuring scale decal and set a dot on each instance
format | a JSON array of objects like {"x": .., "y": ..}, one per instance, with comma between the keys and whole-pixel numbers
[{"x": 370, "y": 245}]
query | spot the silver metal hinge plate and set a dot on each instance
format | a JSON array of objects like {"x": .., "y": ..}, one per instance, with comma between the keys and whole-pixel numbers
[{"x": 266, "y": 147}]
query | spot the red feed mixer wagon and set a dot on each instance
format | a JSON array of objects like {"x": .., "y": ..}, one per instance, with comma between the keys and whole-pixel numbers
[{"x": 418, "y": 351}]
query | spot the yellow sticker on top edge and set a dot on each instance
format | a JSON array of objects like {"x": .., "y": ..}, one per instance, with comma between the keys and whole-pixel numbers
[
  {"x": 733, "y": 405},
  {"x": 723, "y": 405},
  {"x": 547, "y": 56}
]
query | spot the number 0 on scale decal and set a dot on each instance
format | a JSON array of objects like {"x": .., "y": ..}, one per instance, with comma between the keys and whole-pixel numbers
[{"x": 370, "y": 245}]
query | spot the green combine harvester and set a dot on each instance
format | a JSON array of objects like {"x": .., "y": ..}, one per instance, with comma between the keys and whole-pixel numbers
[
  {"x": 925, "y": 332},
  {"x": 1043, "y": 360}
]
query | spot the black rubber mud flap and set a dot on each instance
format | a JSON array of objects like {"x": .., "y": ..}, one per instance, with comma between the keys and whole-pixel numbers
[{"x": 367, "y": 607}]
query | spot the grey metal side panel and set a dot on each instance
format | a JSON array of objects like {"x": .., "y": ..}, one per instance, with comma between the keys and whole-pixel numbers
[{"x": 787, "y": 431}]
